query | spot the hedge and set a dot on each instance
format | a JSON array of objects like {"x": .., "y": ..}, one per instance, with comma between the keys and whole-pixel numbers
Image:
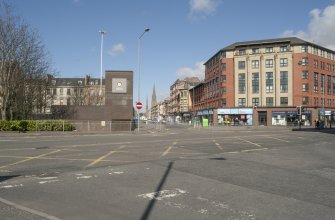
[{"x": 32, "y": 125}]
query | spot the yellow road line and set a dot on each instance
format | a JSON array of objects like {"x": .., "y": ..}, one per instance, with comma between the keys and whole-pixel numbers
[
  {"x": 168, "y": 149},
  {"x": 30, "y": 158},
  {"x": 104, "y": 156},
  {"x": 250, "y": 142}
]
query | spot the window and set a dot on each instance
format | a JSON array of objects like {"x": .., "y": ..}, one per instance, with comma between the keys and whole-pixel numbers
[
  {"x": 255, "y": 82},
  {"x": 68, "y": 92},
  {"x": 224, "y": 78},
  {"x": 255, "y": 50},
  {"x": 241, "y": 83},
  {"x": 316, "y": 64},
  {"x": 48, "y": 91},
  {"x": 242, "y": 52},
  {"x": 224, "y": 101},
  {"x": 304, "y": 61},
  {"x": 333, "y": 85},
  {"x": 269, "y": 82},
  {"x": 305, "y": 87},
  {"x": 304, "y": 48},
  {"x": 68, "y": 100},
  {"x": 80, "y": 82},
  {"x": 329, "y": 79},
  {"x": 316, "y": 82},
  {"x": 322, "y": 64},
  {"x": 322, "y": 83},
  {"x": 53, "y": 82},
  {"x": 54, "y": 92},
  {"x": 255, "y": 64},
  {"x": 241, "y": 102},
  {"x": 61, "y": 91},
  {"x": 255, "y": 101},
  {"x": 283, "y": 81},
  {"x": 284, "y": 101},
  {"x": 223, "y": 66},
  {"x": 269, "y": 49},
  {"x": 304, "y": 75},
  {"x": 241, "y": 65},
  {"x": 224, "y": 90},
  {"x": 304, "y": 100},
  {"x": 328, "y": 67},
  {"x": 283, "y": 62},
  {"x": 268, "y": 63},
  {"x": 269, "y": 101},
  {"x": 283, "y": 49}
]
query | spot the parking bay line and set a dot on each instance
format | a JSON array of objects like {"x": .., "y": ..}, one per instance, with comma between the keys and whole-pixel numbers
[
  {"x": 30, "y": 158},
  {"x": 250, "y": 142},
  {"x": 168, "y": 149},
  {"x": 62, "y": 158},
  {"x": 278, "y": 139},
  {"x": 104, "y": 156}
]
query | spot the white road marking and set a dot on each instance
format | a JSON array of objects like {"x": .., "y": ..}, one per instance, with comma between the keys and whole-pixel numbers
[
  {"x": 32, "y": 211},
  {"x": 278, "y": 139},
  {"x": 250, "y": 142},
  {"x": 48, "y": 181},
  {"x": 164, "y": 194},
  {"x": 83, "y": 177},
  {"x": 10, "y": 186}
]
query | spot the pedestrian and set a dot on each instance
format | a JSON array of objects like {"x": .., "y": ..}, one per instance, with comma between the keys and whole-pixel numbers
[
  {"x": 318, "y": 124},
  {"x": 315, "y": 123}
]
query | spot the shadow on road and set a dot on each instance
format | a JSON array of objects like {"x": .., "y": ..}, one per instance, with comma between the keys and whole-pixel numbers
[
  {"x": 151, "y": 205},
  {"x": 4, "y": 178}
]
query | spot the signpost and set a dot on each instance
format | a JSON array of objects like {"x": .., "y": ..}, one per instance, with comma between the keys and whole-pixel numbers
[{"x": 138, "y": 106}]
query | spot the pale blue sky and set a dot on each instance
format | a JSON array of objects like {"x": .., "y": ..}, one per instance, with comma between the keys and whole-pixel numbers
[{"x": 184, "y": 33}]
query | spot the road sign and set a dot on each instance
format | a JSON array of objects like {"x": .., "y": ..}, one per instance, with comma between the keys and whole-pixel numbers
[{"x": 138, "y": 105}]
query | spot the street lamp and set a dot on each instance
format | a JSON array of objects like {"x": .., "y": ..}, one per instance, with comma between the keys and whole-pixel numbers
[
  {"x": 139, "y": 72},
  {"x": 102, "y": 42}
]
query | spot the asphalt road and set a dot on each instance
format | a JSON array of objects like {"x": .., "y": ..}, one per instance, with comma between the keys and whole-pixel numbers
[{"x": 179, "y": 172}]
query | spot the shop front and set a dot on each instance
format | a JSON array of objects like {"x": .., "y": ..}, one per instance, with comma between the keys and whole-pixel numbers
[
  {"x": 235, "y": 116},
  {"x": 206, "y": 117},
  {"x": 291, "y": 118}
]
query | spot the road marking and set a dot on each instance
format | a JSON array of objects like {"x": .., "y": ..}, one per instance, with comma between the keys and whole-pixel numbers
[
  {"x": 30, "y": 158},
  {"x": 278, "y": 139},
  {"x": 168, "y": 149},
  {"x": 32, "y": 211},
  {"x": 250, "y": 142},
  {"x": 250, "y": 150},
  {"x": 61, "y": 158},
  {"x": 258, "y": 149},
  {"x": 104, "y": 156}
]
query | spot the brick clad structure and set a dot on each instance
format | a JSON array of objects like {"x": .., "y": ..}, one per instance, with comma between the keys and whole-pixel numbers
[{"x": 262, "y": 82}]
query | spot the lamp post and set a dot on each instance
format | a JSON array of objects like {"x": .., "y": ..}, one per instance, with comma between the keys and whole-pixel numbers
[
  {"x": 139, "y": 73},
  {"x": 101, "y": 46}
]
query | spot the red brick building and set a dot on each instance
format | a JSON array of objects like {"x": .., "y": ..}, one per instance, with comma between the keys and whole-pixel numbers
[{"x": 262, "y": 82}]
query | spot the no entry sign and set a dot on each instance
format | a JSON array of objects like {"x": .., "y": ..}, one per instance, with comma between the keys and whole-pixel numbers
[{"x": 139, "y": 105}]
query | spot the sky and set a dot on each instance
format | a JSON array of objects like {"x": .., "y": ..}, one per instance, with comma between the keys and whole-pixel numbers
[{"x": 183, "y": 33}]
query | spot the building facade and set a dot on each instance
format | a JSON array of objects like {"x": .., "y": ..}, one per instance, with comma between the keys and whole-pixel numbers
[
  {"x": 75, "y": 91},
  {"x": 262, "y": 83},
  {"x": 180, "y": 100}
]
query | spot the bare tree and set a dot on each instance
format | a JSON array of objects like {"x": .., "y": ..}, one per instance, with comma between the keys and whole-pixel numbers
[{"x": 23, "y": 67}]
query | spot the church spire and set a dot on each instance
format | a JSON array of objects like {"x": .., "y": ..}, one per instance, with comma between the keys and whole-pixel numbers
[{"x": 153, "y": 98}]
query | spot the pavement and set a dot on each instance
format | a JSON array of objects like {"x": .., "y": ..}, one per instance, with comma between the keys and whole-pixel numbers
[{"x": 179, "y": 172}]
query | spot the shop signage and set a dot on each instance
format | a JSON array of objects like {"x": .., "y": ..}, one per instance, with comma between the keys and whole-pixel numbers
[
  {"x": 205, "y": 112},
  {"x": 199, "y": 113},
  {"x": 328, "y": 112},
  {"x": 235, "y": 111},
  {"x": 210, "y": 112}
]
